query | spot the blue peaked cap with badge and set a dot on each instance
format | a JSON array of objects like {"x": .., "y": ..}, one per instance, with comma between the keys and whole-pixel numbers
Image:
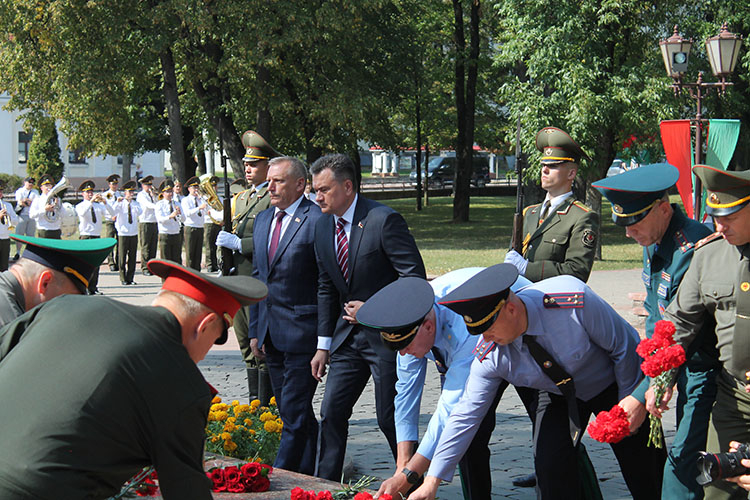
[
  {"x": 397, "y": 311},
  {"x": 480, "y": 299},
  {"x": 634, "y": 192}
]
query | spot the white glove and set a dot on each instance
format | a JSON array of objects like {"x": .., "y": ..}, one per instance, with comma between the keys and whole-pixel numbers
[
  {"x": 515, "y": 258},
  {"x": 229, "y": 240}
]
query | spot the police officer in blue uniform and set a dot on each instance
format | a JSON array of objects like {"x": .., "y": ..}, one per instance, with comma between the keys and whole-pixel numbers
[
  {"x": 559, "y": 337},
  {"x": 411, "y": 321},
  {"x": 640, "y": 204}
]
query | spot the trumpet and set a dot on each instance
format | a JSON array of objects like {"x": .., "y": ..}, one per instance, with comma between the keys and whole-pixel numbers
[
  {"x": 97, "y": 198},
  {"x": 212, "y": 198},
  {"x": 109, "y": 195}
]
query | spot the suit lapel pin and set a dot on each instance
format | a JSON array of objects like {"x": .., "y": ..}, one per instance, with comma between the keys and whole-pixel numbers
[
  {"x": 296, "y": 219},
  {"x": 360, "y": 225}
]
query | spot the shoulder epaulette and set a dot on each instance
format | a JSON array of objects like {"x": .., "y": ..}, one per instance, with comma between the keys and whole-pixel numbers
[
  {"x": 708, "y": 239},
  {"x": 530, "y": 206},
  {"x": 483, "y": 349},
  {"x": 563, "y": 300},
  {"x": 581, "y": 206},
  {"x": 682, "y": 241}
]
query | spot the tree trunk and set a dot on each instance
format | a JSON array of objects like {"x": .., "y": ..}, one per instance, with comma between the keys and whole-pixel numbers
[
  {"x": 174, "y": 117},
  {"x": 465, "y": 69},
  {"x": 188, "y": 134},
  {"x": 127, "y": 161}
]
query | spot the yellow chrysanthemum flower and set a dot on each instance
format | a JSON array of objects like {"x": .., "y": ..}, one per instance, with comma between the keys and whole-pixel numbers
[
  {"x": 221, "y": 416},
  {"x": 226, "y": 436},
  {"x": 272, "y": 401},
  {"x": 270, "y": 426},
  {"x": 229, "y": 427},
  {"x": 251, "y": 431},
  {"x": 219, "y": 407},
  {"x": 265, "y": 417},
  {"x": 248, "y": 422},
  {"x": 241, "y": 409},
  {"x": 215, "y": 439},
  {"x": 230, "y": 446},
  {"x": 235, "y": 403},
  {"x": 255, "y": 403},
  {"x": 216, "y": 399}
]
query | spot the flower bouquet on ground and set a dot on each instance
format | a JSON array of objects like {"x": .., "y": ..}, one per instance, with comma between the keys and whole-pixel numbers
[
  {"x": 661, "y": 357},
  {"x": 610, "y": 426},
  {"x": 248, "y": 432},
  {"x": 247, "y": 478},
  {"x": 143, "y": 484},
  {"x": 349, "y": 492}
]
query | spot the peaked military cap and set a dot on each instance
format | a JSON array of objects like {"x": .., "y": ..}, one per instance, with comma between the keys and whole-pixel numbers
[
  {"x": 480, "y": 299},
  {"x": 397, "y": 310},
  {"x": 113, "y": 178},
  {"x": 78, "y": 259},
  {"x": 214, "y": 179},
  {"x": 166, "y": 185},
  {"x": 87, "y": 185},
  {"x": 633, "y": 192},
  {"x": 727, "y": 192},
  {"x": 149, "y": 179},
  {"x": 557, "y": 146},
  {"x": 193, "y": 181},
  {"x": 129, "y": 186},
  {"x": 45, "y": 179},
  {"x": 222, "y": 294},
  {"x": 29, "y": 179},
  {"x": 256, "y": 147}
]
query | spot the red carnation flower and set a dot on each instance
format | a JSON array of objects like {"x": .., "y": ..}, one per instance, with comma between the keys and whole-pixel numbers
[
  {"x": 300, "y": 494},
  {"x": 611, "y": 426},
  {"x": 251, "y": 470},
  {"x": 363, "y": 495},
  {"x": 261, "y": 484},
  {"x": 324, "y": 495}
]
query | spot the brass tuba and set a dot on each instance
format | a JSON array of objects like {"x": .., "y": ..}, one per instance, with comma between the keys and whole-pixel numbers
[
  {"x": 53, "y": 199},
  {"x": 212, "y": 197}
]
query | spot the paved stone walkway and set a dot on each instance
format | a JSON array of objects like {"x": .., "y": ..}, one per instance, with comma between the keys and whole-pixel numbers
[{"x": 511, "y": 441}]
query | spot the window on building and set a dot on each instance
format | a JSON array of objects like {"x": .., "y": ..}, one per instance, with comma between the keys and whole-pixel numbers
[
  {"x": 119, "y": 159},
  {"x": 23, "y": 146},
  {"x": 76, "y": 156}
]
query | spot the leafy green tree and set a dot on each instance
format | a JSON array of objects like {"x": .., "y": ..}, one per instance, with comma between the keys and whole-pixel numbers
[{"x": 44, "y": 150}]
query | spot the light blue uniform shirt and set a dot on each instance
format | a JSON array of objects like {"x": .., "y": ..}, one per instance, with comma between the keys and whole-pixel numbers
[
  {"x": 594, "y": 344},
  {"x": 456, "y": 346}
]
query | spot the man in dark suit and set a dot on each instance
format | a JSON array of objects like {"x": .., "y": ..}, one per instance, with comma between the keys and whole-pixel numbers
[
  {"x": 285, "y": 325},
  {"x": 361, "y": 246}
]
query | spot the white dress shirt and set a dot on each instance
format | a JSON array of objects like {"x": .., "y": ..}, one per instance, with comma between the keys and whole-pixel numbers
[
  {"x": 190, "y": 209},
  {"x": 147, "y": 202},
  {"x": 37, "y": 212},
  {"x": 22, "y": 193},
  {"x": 166, "y": 224},
  {"x": 122, "y": 225},
  {"x": 86, "y": 224},
  {"x": 10, "y": 220}
]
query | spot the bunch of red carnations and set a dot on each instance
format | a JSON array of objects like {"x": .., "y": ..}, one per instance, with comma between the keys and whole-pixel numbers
[
  {"x": 661, "y": 356},
  {"x": 250, "y": 477},
  {"x": 610, "y": 426},
  {"x": 300, "y": 494}
]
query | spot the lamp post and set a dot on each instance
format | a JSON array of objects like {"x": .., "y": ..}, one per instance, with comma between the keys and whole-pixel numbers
[{"x": 723, "y": 50}]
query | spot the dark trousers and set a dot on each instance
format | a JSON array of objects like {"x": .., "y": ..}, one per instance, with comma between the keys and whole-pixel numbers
[
  {"x": 126, "y": 251},
  {"x": 54, "y": 234},
  {"x": 351, "y": 366},
  {"x": 94, "y": 281},
  {"x": 109, "y": 231},
  {"x": 4, "y": 254},
  {"x": 294, "y": 387},
  {"x": 210, "y": 231},
  {"x": 148, "y": 233},
  {"x": 193, "y": 247},
  {"x": 556, "y": 460},
  {"x": 170, "y": 248}
]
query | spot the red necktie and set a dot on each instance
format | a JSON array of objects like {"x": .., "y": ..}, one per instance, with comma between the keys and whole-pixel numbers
[
  {"x": 275, "y": 236},
  {"x": 342, "y": 249}
]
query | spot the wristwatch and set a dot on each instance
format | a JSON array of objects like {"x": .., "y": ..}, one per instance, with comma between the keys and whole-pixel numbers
[{"x": 411, "y": 476}]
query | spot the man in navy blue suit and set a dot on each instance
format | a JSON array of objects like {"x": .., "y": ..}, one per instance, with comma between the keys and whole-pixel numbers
[
  {"x": 285, "y": 324},
  {"x": 361, "y": 246}
]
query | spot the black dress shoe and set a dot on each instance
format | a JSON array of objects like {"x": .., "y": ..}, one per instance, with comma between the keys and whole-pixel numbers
[
  {"x": 16, "y": 257},
  {"x": 124, "y": 283},
  {"x": 525, "y": 481},
  {"x": 146, "y": 272},
  {"x": 132, "y": 283},
  {"x": 113, "y": 268}
]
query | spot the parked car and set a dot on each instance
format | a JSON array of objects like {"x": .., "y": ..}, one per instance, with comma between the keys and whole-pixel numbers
[{"x": 441, "y": 169}]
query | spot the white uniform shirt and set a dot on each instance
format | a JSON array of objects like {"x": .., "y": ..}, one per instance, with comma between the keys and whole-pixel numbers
[
  {"x": 110, "y": 197},
  {"x": 127, "y": 226},
  {"x": 86, "y": 224},
  {"x": 168, "y": 225},
  {"x": 147, "y": 202},
  {"x": 22, "y": 193},
  {"x": 37, "y": 212},
  {"x": 193, "y": 216},
  {"x": 10, "y": 220}
]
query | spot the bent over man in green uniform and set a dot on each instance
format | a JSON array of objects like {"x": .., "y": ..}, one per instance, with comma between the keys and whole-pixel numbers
[
  {"x": 716, "y": 291},
  {"x": 245, "y": 206},
  {"x": 559, "y": 234},
  {"x": 640, "y": 204},
  {"x": 123, "y": 398}
]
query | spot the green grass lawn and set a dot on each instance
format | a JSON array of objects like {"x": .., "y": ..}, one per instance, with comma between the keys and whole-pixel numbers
[{"x": 485, "y": 239}]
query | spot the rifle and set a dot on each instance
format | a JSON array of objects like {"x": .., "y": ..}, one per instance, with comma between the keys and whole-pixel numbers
[
  {"x": 518, "y": 215},
  {"x": 226, "y": 264}
]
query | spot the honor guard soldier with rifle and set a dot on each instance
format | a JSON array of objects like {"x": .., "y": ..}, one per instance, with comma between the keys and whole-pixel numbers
[
  {"x": 124, "y": 398},
  {"x": 560, "y": 338},
  {"x": 247, "y": 204},
  {"x": 715, "y": 291},
  {"x": 640, "y": 204}
]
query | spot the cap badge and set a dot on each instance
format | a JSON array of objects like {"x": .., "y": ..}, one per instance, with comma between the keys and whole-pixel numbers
[
  {"x": 548, "y": 364},
  {"x": 617, "y": 209},
  {"x": 714, "y": 198},
  {"x": 468, "y": 319},
  {"x": 548, "y": 151},
  {"x": 548, "y": 130}
]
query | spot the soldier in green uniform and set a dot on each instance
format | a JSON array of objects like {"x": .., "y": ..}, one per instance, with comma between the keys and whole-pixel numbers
[
  {"x": 559, "y": 234},
  {"x": 716, "y": 290},
  {"x": 49, "y": 268},
  {"x": 124, "y": 398},
  {"x": 641, "y": 205},
  {"x": 246, "y": 205}
]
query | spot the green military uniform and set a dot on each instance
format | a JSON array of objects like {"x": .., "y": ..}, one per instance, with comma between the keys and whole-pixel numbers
[
  {"x": 563, "y": 243},
  {"x": 712, "y": 293},
  {"x": 633, "y": 194}
]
